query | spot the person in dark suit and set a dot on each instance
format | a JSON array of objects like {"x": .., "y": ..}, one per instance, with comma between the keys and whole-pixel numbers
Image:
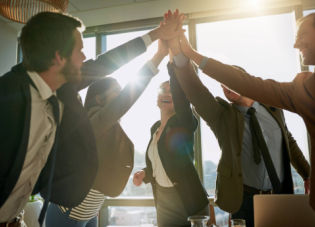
[
  {"x": 106, "y": 103},
  {"x": 297, "y": 96},
  {"x": 46, "y": 140},
  {"x": 177, "y": 189}
]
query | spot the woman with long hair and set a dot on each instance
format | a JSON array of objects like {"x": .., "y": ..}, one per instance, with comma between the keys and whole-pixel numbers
[
  {"x": 106, "y": 102},
  {"x": 177, "y": 190}
]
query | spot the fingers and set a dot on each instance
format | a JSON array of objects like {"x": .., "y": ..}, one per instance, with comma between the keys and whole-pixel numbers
[{"x": 165, "y": 17}]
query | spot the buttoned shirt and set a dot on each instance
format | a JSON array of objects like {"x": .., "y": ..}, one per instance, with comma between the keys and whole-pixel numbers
[
  {"x": 41, "y": 139},
  {"x": 254, "y": 175}
]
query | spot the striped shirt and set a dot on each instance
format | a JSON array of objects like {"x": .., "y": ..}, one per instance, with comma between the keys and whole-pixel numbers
[{"x": 88, "y": 209}]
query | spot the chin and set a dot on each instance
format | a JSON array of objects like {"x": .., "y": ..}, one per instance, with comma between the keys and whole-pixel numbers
[{"x": 307, "y": 62}]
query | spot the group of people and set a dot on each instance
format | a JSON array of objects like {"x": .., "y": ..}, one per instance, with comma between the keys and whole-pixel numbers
[{"x": 74, "y": 155}]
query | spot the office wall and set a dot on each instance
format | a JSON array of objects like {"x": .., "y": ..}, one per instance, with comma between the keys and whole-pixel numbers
[{"x": 8, "y": 47}]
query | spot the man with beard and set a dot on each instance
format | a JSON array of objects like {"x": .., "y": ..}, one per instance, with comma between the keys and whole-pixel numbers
[{"x": 46, "y": 140}]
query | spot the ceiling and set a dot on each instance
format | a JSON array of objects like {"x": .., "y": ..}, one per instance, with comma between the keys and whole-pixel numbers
[{"x": 76, "y": 6}]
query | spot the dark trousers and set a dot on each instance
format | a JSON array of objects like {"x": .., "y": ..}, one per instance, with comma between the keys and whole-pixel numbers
[{"x": 246, "y": 211}]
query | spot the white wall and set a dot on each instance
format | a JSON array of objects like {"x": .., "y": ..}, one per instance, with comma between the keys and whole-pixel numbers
[{"x": 8, "y": 47}]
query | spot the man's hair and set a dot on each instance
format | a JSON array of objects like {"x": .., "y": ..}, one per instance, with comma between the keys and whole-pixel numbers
[
  {"x": 43, "y": 35},
  {"x": 299, "y": 21},
  {"x": 161, "y": 84}
]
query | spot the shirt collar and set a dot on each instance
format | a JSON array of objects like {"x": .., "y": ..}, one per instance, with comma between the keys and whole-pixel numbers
[
  {"x": 244, "y": 109},
  {"x": 43, "y": 88}
]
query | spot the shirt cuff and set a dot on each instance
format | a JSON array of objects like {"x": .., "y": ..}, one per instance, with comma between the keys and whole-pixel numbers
[
  {"x": 152, "y": 67},
  {"x": 180, "y": 60},
  {"x": 203, "y": 63},
  {"x": 147, "y": 40}
]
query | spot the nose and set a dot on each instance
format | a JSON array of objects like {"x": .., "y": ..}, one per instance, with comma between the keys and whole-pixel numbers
[{"x": 296, "y": 44}]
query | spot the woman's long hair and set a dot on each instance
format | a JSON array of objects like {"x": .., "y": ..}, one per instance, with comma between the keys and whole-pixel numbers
[{"x": 98, "y": 88}]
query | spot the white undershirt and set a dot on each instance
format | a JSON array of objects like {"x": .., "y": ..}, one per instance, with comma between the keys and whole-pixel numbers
[
  {"x": 157, "y": 166},
  {"x": 40, "y": 142}
]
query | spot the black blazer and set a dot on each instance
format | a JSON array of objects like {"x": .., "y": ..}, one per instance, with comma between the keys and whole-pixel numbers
[
  {"x": 77, "y": 163},
  {"x": 176, "y": 150}
]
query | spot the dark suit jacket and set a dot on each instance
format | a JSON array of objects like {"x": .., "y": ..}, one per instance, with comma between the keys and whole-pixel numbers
[
  {"x": 76, "y": 163},
  {"x": 176, "y": 150},
  {"x": 297, "y": 96},
  {"x": 227, "y": 123}
]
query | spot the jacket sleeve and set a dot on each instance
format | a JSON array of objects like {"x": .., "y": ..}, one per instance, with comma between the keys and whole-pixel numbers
[
  {"x": 181, "y": 104},
  {"x": 148, "y": 176},
  {"x": 198, "y": 95},
  {"x": 115, "y": 109},
  {"x": 298, "y": 160},
  {"x": 269, "y": 92},
  {"x": 109, "y": 62}
]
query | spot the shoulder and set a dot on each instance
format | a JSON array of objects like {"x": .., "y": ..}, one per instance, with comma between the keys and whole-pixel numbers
[
  {"x": 223, "y": 103},
  {"x": 302, "y": 76}
]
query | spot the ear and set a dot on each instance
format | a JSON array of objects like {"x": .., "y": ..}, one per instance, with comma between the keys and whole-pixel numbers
[
  {"x": 59, "y": 61},
  {"x": 98, "y": 100}
]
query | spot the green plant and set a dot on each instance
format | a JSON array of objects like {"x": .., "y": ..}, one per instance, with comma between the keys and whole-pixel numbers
[{"x": 34, "y": 198}]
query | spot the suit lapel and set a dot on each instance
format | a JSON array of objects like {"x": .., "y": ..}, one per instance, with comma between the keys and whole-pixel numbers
[{"x": 17, "y": 167}]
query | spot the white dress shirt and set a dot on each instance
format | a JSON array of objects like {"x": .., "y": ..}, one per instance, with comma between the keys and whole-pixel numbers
[
  {"x": 41, "y": 139},
  {"x": 157, "y": 166}
]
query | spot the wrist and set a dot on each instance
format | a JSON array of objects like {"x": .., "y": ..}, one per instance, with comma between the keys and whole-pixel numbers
[
  {"x": 154, "y": 34},
  {"x": 157, "y": 58}
]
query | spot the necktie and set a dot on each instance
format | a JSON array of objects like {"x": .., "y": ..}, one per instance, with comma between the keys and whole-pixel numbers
[
  {"x": 55, "y": 105},
  {"x": 259, "y": 144}
]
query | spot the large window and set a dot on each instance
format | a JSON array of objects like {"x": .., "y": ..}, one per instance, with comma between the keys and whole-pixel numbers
[{"x": 263, "y": 46}]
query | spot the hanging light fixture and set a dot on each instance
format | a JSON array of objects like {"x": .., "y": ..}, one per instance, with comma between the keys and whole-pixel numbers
[{"x": 22, "y": 10}]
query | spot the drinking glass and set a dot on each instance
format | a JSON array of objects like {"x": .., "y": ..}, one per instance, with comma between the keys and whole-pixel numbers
[
  {"x": 238, "y": 223},
  {"x": 147, "y": 223},
  {"x": 198, "y": 221}
]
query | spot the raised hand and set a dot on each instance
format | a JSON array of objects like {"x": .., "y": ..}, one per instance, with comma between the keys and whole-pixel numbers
[
  {"x": 174, "y": 44},
  {"x": 169, "y": 30},
  {"x": 185, "y": 46},
  {"x": 138, "y": 177},
  {"x": 162, "y": 45}
]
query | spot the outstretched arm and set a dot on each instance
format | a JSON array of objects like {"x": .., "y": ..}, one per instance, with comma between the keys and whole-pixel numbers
[
  {"x": 197, "y": 94},
  {"x": 112, "y": 60},
  {"x": 115, "y": 109},
  {"x": 269, "y": 92}
]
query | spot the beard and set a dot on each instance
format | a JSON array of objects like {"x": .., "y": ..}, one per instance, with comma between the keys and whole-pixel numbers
[{"x": 71, "y": 73}]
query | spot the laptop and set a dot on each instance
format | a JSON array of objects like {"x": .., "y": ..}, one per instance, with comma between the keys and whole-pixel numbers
[{"x": 283, "y": 211}]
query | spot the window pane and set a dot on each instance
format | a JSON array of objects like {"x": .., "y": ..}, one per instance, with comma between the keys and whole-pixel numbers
[
  {"x": 89, "y": 49},
  {"x": 263, "y": 47},
  {"x": 305, "y": 13},
  {"x": 140, "y": 118},
  {"x": 126, "y": 216}
]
